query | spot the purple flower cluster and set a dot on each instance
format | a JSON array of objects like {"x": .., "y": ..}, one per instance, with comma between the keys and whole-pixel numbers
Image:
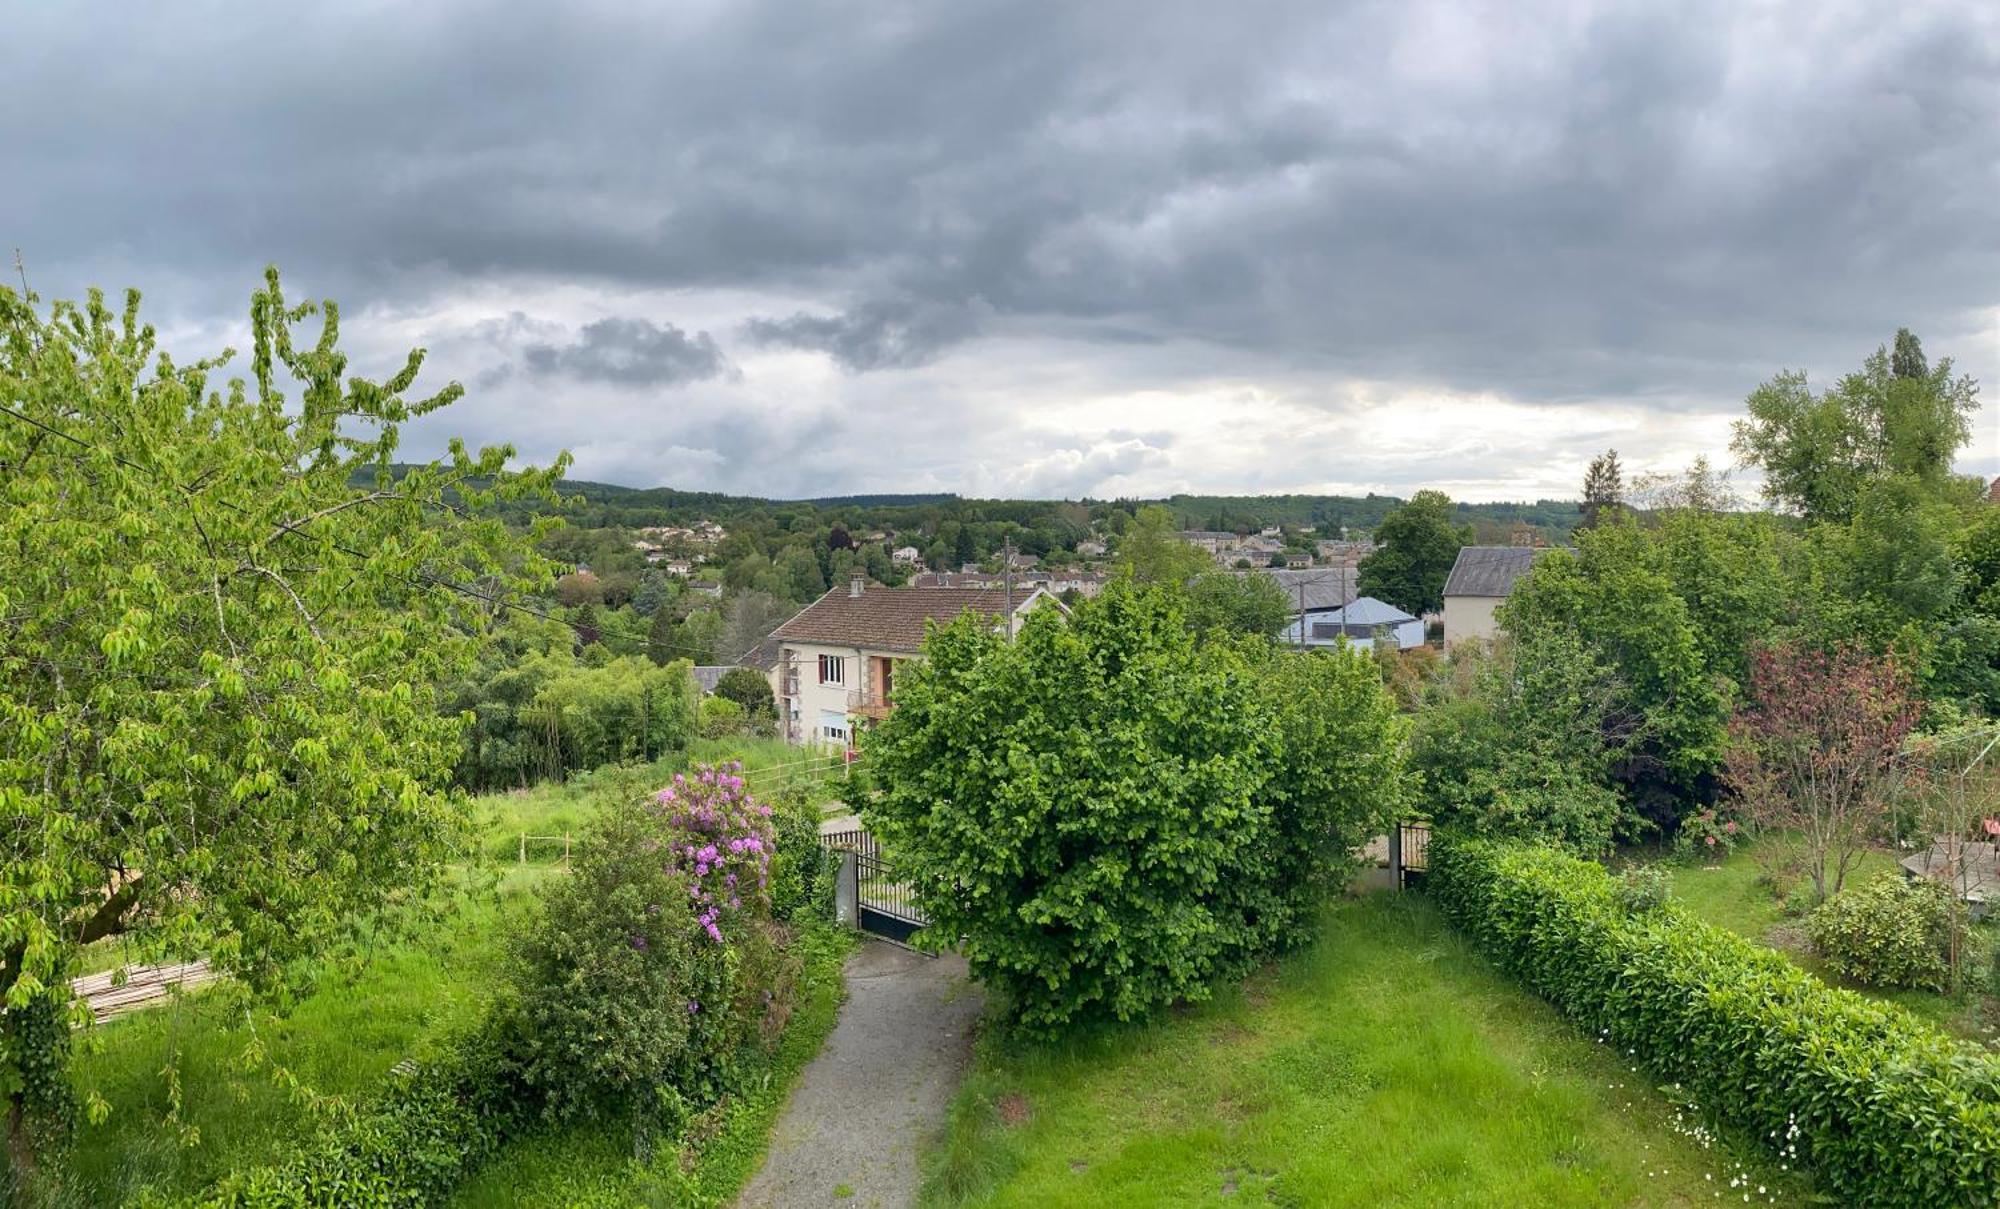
[{"x": 721, "y": 842}]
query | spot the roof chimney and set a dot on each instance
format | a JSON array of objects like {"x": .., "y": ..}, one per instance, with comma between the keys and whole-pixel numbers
[{"x": 857, "y": 584}]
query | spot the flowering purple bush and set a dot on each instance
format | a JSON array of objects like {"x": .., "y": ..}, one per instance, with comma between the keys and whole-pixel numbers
[
  {"x": 649, "y": 969},
  {"x": 722, "y": 844}
]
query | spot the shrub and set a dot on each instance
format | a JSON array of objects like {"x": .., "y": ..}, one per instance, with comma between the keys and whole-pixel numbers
[
  {"x": 1890, "y": 931},
  {"x": 1113, "y": 816},
  {"x": 1518, "y": 741},
  {"x": 1644, "y": 888},
  {"x": 629, "y": 984},
  {"x": 1707, "y": 836},
  {"x": 721, "y": 718},
  {"x": 425, "y": 1132},
  {"x": 1887, "y": 1110},
  {"x": 651, "y": 973},
  {"x": 802, "y": 872},
  {"x": 749, "y": 688}
]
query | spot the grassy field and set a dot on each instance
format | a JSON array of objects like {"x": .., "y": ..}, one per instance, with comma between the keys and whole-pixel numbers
[
  {"x": 1387, "y": 1064},
  {"x": 339, "y": 1041},
  {"x": 554, "y": 810},
  {"x": 342, "y": 1039},
  {"x": 1730, "y": 895}
]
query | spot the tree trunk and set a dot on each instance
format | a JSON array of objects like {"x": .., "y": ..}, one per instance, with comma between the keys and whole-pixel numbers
[{"x": 20, "y": 1149}]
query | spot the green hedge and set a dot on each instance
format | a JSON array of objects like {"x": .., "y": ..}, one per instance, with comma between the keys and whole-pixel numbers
[{"x": 1882, "y": 1108}]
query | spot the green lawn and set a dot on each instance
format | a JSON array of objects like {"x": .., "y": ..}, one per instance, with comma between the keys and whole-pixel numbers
[
  {"x": 1387, "y": 1064},
  {"x": 1729, "y": 895}
]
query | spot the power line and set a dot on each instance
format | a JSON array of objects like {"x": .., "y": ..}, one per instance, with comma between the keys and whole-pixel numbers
[{"x": 645, "y": 644}]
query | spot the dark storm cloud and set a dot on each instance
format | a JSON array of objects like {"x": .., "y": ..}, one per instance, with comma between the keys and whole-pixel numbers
[
  {"x": 876, "y": 335},
  {"x": 629, "y": 352},
  {"x": 1553, "y": 202}
]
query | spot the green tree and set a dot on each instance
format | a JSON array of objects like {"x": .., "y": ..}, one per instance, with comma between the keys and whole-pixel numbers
[
  {"x": 1222, "y": 602},
  {"x": 749, "y": 688},
  {"x": 1521, "y": 742},
  {"x": 1897, "y": 415},
  {"x": 1603, "y": 490},
  {"x": 661, "y": 638},
  {"x": 1152, "y": 551},
  {"x": 1111, "y": 815},
  {"x": 800, "y": 573},
  {"x": 1613, "y": 601},
  {"x": 219, "y": 726},
  {"x": 653, "y": 592},
  {"x": 1415, "y": 546}
]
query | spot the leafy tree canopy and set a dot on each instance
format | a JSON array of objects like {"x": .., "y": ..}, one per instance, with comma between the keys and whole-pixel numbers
[
  {"x": 1415, "y": 547},
  {"x": 1897, "y": 415},
  {"x": 217, "y": 733}
]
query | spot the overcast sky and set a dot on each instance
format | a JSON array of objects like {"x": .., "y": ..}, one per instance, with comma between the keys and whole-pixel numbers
[{"x": 1041, "y": 249}]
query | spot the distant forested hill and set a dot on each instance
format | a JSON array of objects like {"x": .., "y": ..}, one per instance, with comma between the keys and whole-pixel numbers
[{"x": 608, "y": 505}]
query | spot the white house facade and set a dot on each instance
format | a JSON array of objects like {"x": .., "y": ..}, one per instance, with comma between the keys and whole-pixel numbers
[
  {"x": 1480, "y": 581},
  {"x": 838, "y": 659}
]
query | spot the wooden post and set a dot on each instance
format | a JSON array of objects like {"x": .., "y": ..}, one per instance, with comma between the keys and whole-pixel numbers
[
  {"x": 565, "y": 847},
  {"x": 524, "y": 848},
  {"x": 1396, "y": 852}
]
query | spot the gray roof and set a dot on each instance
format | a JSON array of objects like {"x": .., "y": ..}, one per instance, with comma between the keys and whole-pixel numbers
[
  {"x": 1366, "y": 611},
  {"x": 764, "y": 656},
  {"x": 705, "y": 678},
  {"x": 1324, "y": 587},
  {"x": 1491, "y": 570}
]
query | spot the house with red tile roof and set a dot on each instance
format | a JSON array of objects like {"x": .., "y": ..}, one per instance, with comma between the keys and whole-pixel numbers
[{"x": 837, "y": 659}]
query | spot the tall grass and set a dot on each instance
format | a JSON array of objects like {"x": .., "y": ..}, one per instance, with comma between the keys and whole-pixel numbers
[{"x": 248, "y": 1074}]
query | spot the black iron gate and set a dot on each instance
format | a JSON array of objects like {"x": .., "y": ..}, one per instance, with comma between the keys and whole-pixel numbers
[
  {"x": 883, "y": 903},
  {"x": 1410, "y": 851}
]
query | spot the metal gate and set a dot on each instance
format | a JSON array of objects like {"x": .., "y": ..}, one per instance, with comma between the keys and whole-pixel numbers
[
  {"x": 1409, "y": 851},
  {"x": 883, "y": 903}
]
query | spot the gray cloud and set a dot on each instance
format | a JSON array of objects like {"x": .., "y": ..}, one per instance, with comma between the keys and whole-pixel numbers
[
  {"x": 1635, "y": 208},
  {"x": 875, "y": 335},
  {"x": 629, "y": 352}
]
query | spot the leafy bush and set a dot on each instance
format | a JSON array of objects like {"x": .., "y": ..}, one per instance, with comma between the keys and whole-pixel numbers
[
  {"x": 1707, "y": 836},
  {"x": 630, "y": 983},
  {"x": 802, "y": 872},
  {"x": 652, "y": 973},
  {"x": 721, "y": 718},
  {"x": 749, "y": 688},
  {"x": 1644, "y": 888},
  {"x": 1890, "y": 931},
  {"x": 424, "y": 1134},
  {"x": 1887, "y": 1110},
  {"x": 1113, "y": 816},
  {"x": 1519, "y": 742}
]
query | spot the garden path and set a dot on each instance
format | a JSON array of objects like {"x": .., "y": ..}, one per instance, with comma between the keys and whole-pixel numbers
[{"x": 878, "y": 1091}]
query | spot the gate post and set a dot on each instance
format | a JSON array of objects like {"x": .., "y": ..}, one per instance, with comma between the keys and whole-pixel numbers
[
  {"x": 847, "y": 892},
  {"x": 1396, "y": 852}
]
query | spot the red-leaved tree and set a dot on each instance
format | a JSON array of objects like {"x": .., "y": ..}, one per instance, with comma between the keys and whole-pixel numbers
[{"x": 1813, "y": 750}]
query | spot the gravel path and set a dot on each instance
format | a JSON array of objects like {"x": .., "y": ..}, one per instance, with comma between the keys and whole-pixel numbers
[{"x": 864, "y": 1108}]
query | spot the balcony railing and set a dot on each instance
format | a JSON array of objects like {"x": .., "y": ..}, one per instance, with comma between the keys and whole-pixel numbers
[{"x": 869, "y": 704}]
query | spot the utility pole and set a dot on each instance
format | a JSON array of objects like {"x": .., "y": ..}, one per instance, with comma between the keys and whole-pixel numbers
[{"x": 1007, "y": 580}]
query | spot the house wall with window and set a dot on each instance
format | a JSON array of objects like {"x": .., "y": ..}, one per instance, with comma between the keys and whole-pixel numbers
[{"x": 825, "y": 677}]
